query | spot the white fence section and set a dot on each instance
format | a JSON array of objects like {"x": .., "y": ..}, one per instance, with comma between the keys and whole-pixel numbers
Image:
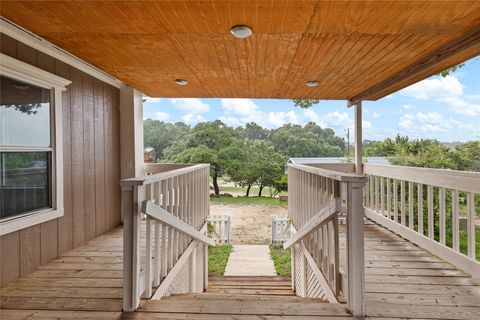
[
  {"x": 221, "y": 228},
  {"x": 433, "y": 208},
  {"x": 167, "y": 251},
  {"x": 280, "y": 229},
  {"x": 315, "y": 201}
]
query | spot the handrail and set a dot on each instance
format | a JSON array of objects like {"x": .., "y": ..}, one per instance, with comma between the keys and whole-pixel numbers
[
  {"x": 316, "y": 221},
  {"x": 331, "y": 174},
  {"x": 453, "y": 179},
  {"x": 149, "y": 179},
  {"x": 156, "y": 212}
]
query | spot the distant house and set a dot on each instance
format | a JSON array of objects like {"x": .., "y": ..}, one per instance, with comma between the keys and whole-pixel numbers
[{"x": 149, "y": 155}]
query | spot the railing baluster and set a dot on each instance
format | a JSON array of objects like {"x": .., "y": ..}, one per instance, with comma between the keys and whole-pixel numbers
[
  {"x": 372, "y": 193},
  {"x": 471, "y": 225},
  {"x": 389, "y": 198},
  {"x": 420, "y": 207},
  {"x": 148, "y": 259},
  {"x": 382, "y": 196},
  {"x": 410, "y": 205},
  {"x": 395, "y": 200},
  {"x": 455, "y": 222},
  {"x": 402, "y": 202},
  {"x": 441, "y": 199},
  {"x": 430, "y": 212}
]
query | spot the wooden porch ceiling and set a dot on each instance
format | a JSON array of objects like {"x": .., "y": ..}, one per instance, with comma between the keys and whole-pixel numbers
[{"x": 356, "y": 50}]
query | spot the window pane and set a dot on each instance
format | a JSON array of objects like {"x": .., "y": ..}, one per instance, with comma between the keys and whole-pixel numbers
[
  {"x": 24, "y": 114},
  {"x": 25, "y": 183}
]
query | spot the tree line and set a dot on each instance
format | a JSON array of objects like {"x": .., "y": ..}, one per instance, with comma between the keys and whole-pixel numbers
[
  {"x": 426, "y": 153},
  {"x": 248, "y": 156}
]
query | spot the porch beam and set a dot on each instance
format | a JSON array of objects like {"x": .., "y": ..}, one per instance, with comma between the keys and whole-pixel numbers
[{"x": 460, "y": 49}]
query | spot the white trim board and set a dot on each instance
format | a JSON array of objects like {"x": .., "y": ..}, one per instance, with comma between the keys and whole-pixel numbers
[
  {"x": 21, "y": 34},
  {"x": 27, "y": 73}
]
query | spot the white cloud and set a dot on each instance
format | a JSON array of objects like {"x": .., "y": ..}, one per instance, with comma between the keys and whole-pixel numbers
[
  {"x": 408, "y": 107},
  {"x": 432, "y": 122},
  {"x": 462, "y": 106},
  {"x": 447, "y": 90},
  {"x": 162, "y": 116},
  {"x": 242, "y": 111},
  {"x": 240, "y": 107},
  {"x": 311, "y": 115},
  {"x": 376, "y": 115},
  {"x": 336, "y": 120},
  {"x": 277, "y": 119},
  {"x": 190, "y": 105},
  {"x": 435, "y": 89},
  {"x": 192, "y": 119},
  {"x": 366, "y": 125}
]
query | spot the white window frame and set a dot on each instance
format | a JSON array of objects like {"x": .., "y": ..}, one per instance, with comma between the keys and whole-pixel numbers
[{"x": 21, "y": 71}]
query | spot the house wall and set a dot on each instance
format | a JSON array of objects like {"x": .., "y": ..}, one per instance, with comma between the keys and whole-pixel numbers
[{"x": 91, "y": 162}]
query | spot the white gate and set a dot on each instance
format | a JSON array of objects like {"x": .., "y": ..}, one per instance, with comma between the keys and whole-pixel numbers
[
  {"x": 221, "y": 228},
  {"x": 280, "y": 229}
]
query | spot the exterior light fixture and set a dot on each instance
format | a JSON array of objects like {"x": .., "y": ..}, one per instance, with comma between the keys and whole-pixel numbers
[
  {"x": 312, "y": 83},
  {"x": 181, "y": 82},
  {"x": 241, "y": 31}
]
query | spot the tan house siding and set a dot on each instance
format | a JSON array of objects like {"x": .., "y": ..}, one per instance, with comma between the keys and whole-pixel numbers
[{"x": 91, "y": 151}]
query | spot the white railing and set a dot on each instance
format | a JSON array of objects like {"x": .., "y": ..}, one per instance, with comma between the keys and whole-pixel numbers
[
  {"x": 315, "y": 201},
  {"x": 221, "y": 228},
  {"x": 280, "y": 229},
  {"x": 164, "y": 224},
  {"x": 433, "y": 208}
]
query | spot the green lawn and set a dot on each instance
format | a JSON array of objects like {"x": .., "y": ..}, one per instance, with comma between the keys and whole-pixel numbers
[
  {"x": 217, "y": 259},
  {"x": 249, "y": 200},
  {"x": 281, "y": 260},
  {"x": 253, "y": 190}
]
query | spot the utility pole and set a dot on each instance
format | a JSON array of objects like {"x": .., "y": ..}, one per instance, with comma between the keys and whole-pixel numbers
[{"x": 347, "y": 131}]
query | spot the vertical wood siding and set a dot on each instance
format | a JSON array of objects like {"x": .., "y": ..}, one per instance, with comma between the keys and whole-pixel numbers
[{"x": 91, "y": 169}]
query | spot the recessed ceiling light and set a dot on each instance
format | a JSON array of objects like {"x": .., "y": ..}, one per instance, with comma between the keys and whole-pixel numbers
[
  {"x": 312, "y": 83},
  {"x": 181, "y": 82},
  {"x": 241, "y": 31}
]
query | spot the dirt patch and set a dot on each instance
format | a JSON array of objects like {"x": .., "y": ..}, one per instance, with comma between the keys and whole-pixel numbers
[{"x": 250, "y": 224}]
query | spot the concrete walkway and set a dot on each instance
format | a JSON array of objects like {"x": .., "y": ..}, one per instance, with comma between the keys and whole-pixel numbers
[{"x": 250, "y": 260}]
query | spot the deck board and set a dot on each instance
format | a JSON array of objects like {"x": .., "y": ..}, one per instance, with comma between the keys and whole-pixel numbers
[{"x": 402, "y": 281}]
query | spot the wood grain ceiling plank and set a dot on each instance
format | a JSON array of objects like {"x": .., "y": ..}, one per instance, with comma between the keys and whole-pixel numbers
[
  {"x": 392, "y": 17},
  {"x": 353, "y": 60},
  {"x": 316, "y": 51},
  {"x": 361, "y": 62},
  {"x": 395, "y": 61},
  {"x": 142, "y": 42}
]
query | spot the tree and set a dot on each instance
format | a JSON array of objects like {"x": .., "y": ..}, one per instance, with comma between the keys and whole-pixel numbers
[
  {"x": 305, "y": 103},
  {"x": 265, "y": 163},
  {"x": 309, "y": 141},
  {"x": 255, "y": 132},
  {"x": 161, "y": 136},
  {"x": 206, "y": 143}
]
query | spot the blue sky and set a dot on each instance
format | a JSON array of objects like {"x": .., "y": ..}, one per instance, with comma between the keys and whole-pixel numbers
[{"x": 447, "y": 109}]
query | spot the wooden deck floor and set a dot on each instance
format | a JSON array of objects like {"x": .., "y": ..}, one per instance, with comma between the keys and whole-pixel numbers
[{"x": 402, "y": 281}]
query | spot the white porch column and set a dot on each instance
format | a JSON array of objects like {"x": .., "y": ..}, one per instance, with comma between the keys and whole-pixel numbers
[
  {"x": 358, "y": 137},
  {"x": 131, "y": 133}
]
